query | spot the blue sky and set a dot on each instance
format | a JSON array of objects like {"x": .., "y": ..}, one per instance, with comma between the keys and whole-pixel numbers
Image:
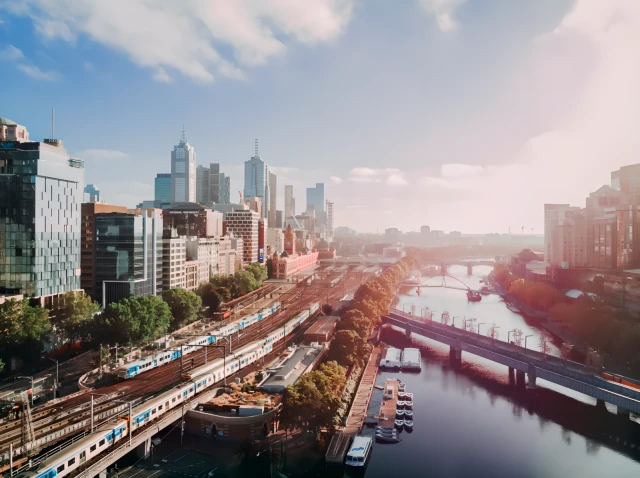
[{"x": 464, "y": 115}]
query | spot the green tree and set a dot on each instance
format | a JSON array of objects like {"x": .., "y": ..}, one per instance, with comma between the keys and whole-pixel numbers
[
  {"x": 22, "y": 330},
  {"x": 245, "y": 281},
  {"x": 349, "y": 349},
  {"x": 76, "y": 315},
  {"x": 336, "y": 375},
  {"x": 259, "y": 272},
  {"x": 210, "y": 297},
  {"x": 185, "y": 306},
  {"x": 135, "y": 319}
]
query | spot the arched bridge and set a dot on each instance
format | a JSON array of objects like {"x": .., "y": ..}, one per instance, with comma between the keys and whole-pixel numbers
[
  {"x": 447, "y": 281},
  {"x": 569, "y": 374},
  {"x": 469, "y": 264}
]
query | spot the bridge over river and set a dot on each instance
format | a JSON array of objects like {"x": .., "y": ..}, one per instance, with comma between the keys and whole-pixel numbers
[{"x": 566, "y": 373}]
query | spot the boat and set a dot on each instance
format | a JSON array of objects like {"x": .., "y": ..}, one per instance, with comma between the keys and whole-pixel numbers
[
  {"x": 408, "y": 424},
  {"x": 384, "y": 428},
  {"x": 399, "y": 423},
  {"x": 400, "y": 404},
  {"x": 401, "y": 387},
  {"x": 401, "y": 395},
  {"x": 411, "y": 359},
  {"x": 473, "y": 296},
  {"x": 484, "y": 290},
  {"x": 408, "y": 414},
  {"x": 399, "y": 413},
  {"x": 387, "y": 439},
  {"x": 408, "y": 406},
  {"x": 408, "y": 397},
  {"x": 513, "y": 308},
  {"x": 359, "y": 451}
]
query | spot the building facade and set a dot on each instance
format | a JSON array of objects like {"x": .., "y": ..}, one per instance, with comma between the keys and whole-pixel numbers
[
  {"x": 183, "y": 172},
  {"x": 202, "y": 185},
  {"x": 244, "y": 224},
  {"x": 289, "y": 202},
  {"x": 316, "y": 202},
  {"x": 227, "y": 256},
  {"x": 256, "y": 175},
  {"x": 12, "y": 131},
  {"x": 286, "y": 266},
  {"x": 174, "y": 258},
  {"x": 41, "y": 190},
  {"x": 275, "y": 241},
  {"x": 88, "y": 241},
  {"x": 128, "y": 255},
  {"x": 192, "y": 220},
  {"x": 225, "y": 189},
  {"x": 331, "y": 211},
  {"x": 273, "y": 189},
  {"x": 162, "y": 188}
]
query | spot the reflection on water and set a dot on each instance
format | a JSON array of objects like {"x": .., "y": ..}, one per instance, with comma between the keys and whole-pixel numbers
[{"x": 472, "y": 422}]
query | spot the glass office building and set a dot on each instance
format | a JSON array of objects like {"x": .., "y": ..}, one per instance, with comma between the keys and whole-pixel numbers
[
  {"x": 128, "y": 255},
  {"x": 256, "y": 175},
  {"x": 162, "y": 188},
  {"x": 41, "y": 189}
]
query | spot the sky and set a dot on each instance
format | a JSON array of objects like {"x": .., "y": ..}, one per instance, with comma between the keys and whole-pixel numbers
[{"x": 462, "y": 115}]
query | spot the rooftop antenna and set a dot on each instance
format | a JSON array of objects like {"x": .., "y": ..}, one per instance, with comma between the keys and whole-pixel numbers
[
  {"x": 184, "y": 134},
  {"x": 53, "y": 121},
  {"x": 256, "y": 146}
]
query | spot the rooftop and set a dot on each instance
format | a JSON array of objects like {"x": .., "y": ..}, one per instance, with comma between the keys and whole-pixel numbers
[
  {"x": 7, "y": 122},
  {"x": 323, "y": 325},
  {"x": 292, "y": 369}
]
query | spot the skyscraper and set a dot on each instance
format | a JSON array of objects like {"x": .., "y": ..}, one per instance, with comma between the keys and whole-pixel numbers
[
  {"x": 225, "y": 189},
  {"x": 272, "y": 199},
  {"x": 91, "y": 193},
  {"x": 289, "y": 203},
  {"x": 183, "y": 172},
  {"x": 162, "y": 188},
  {"x": 202, "y": 185},
  {"x": 330, "y": 219},
  {"x": 255, "y": 180},
  {"x": 41, "y": 189},
  {"x": 315, "y": 201},
  {"x": 214, "y": 183}
]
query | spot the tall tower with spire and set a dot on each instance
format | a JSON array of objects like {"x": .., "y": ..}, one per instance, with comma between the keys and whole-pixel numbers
[
  {"x": 256, "y": 181},
  {"x": 183, "y": 171}
]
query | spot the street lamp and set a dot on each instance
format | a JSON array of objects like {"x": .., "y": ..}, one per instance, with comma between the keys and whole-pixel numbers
[
  {"x": 55, "y": 384},
  {"x": 464, "y": 323},
  {"x": 453, "y": 323},
  {"x": 481, "y": 323},
  {"x": 525, "y": 340},
  {"x": 32, "y": 390},
  {"x": 509, "y": 335}
]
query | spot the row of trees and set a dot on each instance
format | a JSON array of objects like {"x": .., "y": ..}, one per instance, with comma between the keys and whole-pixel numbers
[
  {"x": 537, "y": 295},
  {"x": 135, "y": 320},
  {"x": 313, "y": 401},
  {"x": 614, "y": 332}
]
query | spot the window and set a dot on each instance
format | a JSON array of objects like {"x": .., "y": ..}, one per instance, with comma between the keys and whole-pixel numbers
[
  {"x": 92, "y": 449},
  {"x": 60, "y": 469},
  {"x": 101, "y": 442}
]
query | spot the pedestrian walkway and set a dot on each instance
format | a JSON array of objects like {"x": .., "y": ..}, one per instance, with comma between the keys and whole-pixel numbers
[{"x": 358, "y": 411}]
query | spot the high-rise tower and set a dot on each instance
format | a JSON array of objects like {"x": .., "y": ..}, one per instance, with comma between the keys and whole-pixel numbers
[
  {"x": 183, "y": 172},
  {"x": 256, "y": 175}
]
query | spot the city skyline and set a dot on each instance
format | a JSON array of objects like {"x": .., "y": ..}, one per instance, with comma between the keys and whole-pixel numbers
[{"x": 450, "y": 153}]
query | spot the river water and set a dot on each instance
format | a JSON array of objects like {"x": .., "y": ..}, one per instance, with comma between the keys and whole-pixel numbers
[{"x": 471, "y": 422}]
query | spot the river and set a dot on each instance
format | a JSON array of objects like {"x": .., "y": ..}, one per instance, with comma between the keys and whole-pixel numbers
[{"x": 471, "y": 422}]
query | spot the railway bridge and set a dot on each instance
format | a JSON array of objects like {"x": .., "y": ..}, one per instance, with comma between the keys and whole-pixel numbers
[
  {"x": 469, "y": 264},
  {"x": 523, "y": 361}
]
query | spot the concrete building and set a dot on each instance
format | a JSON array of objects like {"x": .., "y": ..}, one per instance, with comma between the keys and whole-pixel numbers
[
  {"x": 392, "y": 234},
  {"x": 273, "y": 189},
  {"x": 554, "y": 215},
  {"x": 12, "y": 131},
  {"x": 244, "y": 224},
  {"x": 190, "y": 219},
  {"x": 183, "y": 172},
  {"x": 567, "y": 242},
  {"x": 299, "y": 362},
  {"x": 88, "y": 241},
  {"x": 227, "y": 255},
  {"x": 206, "y": 251},
  {"x": 128, "y": 255},
  {"x": 279, "y": 220},
  {"x": 202, "y": 185},
  {"x": 174, "y": 258},
  {"x": 41, "y": 190},
  {"x": 225, "y": 189},
  {"x": 162, "y": 188},
  {"x": 256, "y": 175},
  {"x": 275, "y": 241},
  {"x": 214, "y": 183},
  {"x": 330, "y": 220},
  {"x": 289, "y": 203},
  {"x": 627, "y": 181},
  {"x": 91, "y": 193}
]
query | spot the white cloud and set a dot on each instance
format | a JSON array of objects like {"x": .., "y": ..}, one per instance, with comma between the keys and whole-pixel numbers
[
  {"x": 161, "y": 76},
  {"x": 458, "y": 170},
  {"x": 89, "y": 66},
  {"x": 444, "y": 12},
  {"x": 336, "y": 180},
  {"x": 396, "y": 180},
  {"x": 10, "y": 53},
  {"x": 190, "y": 36},
  {"x": 101, "y": 154},
  {"x": 37, "y": 74},
  {"x": 370, "y": 172}
]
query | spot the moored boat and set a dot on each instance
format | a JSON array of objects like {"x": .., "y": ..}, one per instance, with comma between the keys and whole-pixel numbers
[
  {"x": 399, "y": 413},
  {"x": 408, "y": 397},
  {"x": 408, "y": 406},
  {"x": 400, "y": 404},
  {"x": 399, "y": 423},
  {"x": 408, "y": 424},
  {"x": 359, "y": 451},
  {"x": 408, "y": 414}
]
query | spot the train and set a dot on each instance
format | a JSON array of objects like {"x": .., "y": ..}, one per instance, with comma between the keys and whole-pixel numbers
[
  {"x": 111, "y": 432},
  {"x": 131, "y": 369},
  {"x": 619, "y": 380}
]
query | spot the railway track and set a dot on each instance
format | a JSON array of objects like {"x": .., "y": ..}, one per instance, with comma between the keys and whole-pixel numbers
[{"x": 74, "y": 415}]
